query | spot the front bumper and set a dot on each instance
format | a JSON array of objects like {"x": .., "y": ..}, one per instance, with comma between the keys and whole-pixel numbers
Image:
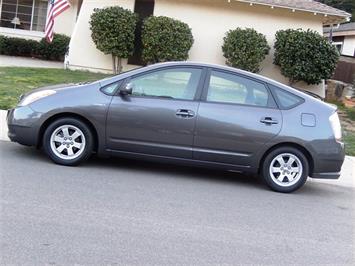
[{"x": 23, "y": 126}]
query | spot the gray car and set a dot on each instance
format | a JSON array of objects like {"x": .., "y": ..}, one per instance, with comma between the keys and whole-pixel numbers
[{"x": 187, "y": 113}]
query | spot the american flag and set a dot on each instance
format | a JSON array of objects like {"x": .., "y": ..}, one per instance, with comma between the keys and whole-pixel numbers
[{"x": 56, "y": 7}]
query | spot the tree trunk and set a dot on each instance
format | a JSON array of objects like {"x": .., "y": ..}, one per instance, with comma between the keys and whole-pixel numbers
[
  {"x": 114, "y": 67},
  {"x": 119, "y": 65},
  {"x": 291, "y": 82}
]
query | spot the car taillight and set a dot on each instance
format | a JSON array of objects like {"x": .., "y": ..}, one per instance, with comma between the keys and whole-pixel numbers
[{"x": 335, "y": 124}]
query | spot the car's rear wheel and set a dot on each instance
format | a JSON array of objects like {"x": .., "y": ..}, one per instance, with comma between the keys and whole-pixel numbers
[
  {"x": 68, "y": 141},
  {"x": 285, "y": 169}
]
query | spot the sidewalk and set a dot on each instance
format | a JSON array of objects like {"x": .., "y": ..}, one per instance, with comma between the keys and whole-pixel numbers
[
  {"x": 16, "y": 61},
  {"x": 347, "y": 178}
]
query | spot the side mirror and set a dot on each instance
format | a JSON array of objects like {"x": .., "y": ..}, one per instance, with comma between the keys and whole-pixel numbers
[{"x": 127, "y": 90}]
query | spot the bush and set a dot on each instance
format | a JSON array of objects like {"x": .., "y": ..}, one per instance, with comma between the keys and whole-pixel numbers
[
  {"x": 113, "y": 32},
  {"x": 245, "y": 49},
  {"x": 165, "y": 39},
  {"x": 18, "y": 46},
  {"x": 30, "y": 48},
  {"x": 55, "y": 50},
  {"x": 305, "y": 56}
]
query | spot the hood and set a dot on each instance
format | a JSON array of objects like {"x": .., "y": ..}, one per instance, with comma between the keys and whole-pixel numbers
[{"x": 57, "y": 87}]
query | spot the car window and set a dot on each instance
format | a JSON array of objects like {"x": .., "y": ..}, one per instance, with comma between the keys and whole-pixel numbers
[
  {"x": 111, "y": 88},
  {"x": 285, "y": 99},
  {"x": 175, "y": 83},
  {"x": 230, "y": 88}
]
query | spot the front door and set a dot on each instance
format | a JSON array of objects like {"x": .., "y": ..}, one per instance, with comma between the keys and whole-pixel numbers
[
  {"x": 236, "y": 117},
  {"x": 159, "y": 117}
]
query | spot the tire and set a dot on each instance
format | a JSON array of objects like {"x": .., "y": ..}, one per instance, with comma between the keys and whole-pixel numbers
[
  {"x": 285, "y": 169},
  {"x": 68, "y": 141}
]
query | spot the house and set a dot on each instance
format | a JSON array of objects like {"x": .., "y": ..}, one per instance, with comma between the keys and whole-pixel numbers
[
  {"x": 27, "y": 18},
  {"x": 343, "y": 37},
  {"x": 209, "y": 20}
]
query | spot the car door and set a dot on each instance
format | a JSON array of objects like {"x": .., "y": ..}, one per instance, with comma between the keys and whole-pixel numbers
[
  {"x": 237, "y": 115},
  {"x": 159, "y": 117}
]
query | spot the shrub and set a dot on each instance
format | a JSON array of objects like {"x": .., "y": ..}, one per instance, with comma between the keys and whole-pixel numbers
[
  {"x": 165, "y": 39},
  {"x": 55, "y": 50},
  {"x": 113, "y": 32},
  {"x": 30, "y": 48},
  {"x": 245, "y": 49},
  {"x": 18, "y": 47},
  {"x": 305, "y": 56},
  {"x": 3, "y": 40}
]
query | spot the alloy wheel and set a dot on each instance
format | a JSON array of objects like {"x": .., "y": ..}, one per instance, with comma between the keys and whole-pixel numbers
[
  {"x": 67, "y": 142},
  {"x": 286, "y": 169}
]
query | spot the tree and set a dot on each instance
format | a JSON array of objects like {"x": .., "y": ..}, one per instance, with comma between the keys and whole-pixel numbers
[
  {"x": 112, "y": 30},
  {"x": 165, "y": 39},
  {"x": 245, "y": 49},
  {"x": 305, "y": 56},
  {"x": 346, "y": 5}
]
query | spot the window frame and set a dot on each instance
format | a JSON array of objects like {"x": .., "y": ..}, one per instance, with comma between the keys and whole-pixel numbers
[
  {"x": 198, "y": 92},
  {"x": 272, "y": 104},
  {"x": 31, "y": 22}
]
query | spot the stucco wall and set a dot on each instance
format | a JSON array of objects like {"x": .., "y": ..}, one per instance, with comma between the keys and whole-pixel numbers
[
  {"x": 65, "y": 23},
  {"x": 83, "y": 53},
  {"x": 209, "y": 20},
  {"x": 349, "y": 46}
]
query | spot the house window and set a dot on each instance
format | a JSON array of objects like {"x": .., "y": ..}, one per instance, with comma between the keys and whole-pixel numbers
[
  {"x": 339, "y": 46},
  {"x": 24, "y": 14},
  {"x": 144, "y": 9}
]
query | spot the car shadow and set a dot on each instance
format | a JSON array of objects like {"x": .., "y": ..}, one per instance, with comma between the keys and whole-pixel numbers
[
  {"x": 184, "y": 172},
  {"x": 181, "y": 171}
]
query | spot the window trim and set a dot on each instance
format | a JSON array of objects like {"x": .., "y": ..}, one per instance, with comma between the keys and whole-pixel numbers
[
  {"x": 198, "y": 92},
  {"x": 30, "y": 32},
  {"x": 207, "y": 82}
]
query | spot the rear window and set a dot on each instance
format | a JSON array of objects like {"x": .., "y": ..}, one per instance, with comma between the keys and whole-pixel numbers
[{"x": 285, "y": 99}]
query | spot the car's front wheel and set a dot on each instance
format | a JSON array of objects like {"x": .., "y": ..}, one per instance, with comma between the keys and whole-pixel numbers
[
  {"x": 285, "y": 169},
  {"x": 68, "y": 141}
]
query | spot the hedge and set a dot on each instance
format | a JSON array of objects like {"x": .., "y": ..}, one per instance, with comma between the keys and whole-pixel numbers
[
  {"x": 305, "y": 56},
  {"x": 165, "y": 39},
  {"x": 245, "y": 49},
  {"x": 29, "y": 48}
]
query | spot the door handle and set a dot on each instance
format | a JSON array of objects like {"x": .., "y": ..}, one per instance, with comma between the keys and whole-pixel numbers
[
  {"x": 183, "y": 113},
  {"x": 268, "y": 121}
]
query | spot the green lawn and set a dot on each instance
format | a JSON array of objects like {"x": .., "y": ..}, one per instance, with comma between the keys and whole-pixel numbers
[
  {"x": 349, "y": 139},
  {"x": 15, "y": 81}
]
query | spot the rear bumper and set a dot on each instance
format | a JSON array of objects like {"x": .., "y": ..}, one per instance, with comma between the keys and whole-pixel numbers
[
  {"x": 332, "y": 175},
  {"x": 22, "y": 124},
  {"x": 328, "y": 162}
]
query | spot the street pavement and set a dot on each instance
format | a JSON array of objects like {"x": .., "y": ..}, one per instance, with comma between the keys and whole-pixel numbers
[{"x": 114, "y": 212}]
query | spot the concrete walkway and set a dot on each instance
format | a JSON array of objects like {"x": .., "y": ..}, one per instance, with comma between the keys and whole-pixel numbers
[
  {"x": 347, "y": 178},
  {"x": 16, "y": 61}
]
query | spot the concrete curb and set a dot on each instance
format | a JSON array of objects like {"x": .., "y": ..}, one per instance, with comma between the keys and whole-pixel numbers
[
  {"x": 347, "y": 178},
  {"x": 3, "y": 126}
]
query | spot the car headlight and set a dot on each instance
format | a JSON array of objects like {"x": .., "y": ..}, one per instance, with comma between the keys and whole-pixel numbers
[
  {"x": 335, "y": 124},
  {"x": 35, "y": 96}
]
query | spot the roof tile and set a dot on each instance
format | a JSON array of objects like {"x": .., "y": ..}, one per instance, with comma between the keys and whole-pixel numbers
[{"x": 307, "y": 5}]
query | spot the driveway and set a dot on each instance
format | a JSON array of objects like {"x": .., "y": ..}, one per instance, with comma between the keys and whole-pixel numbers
[
  {"x": 114, "y": 211},
  {"x": 17, "y": 61}
]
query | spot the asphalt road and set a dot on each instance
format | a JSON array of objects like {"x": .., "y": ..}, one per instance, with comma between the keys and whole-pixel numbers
[{"x": 114, "y": 211}]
